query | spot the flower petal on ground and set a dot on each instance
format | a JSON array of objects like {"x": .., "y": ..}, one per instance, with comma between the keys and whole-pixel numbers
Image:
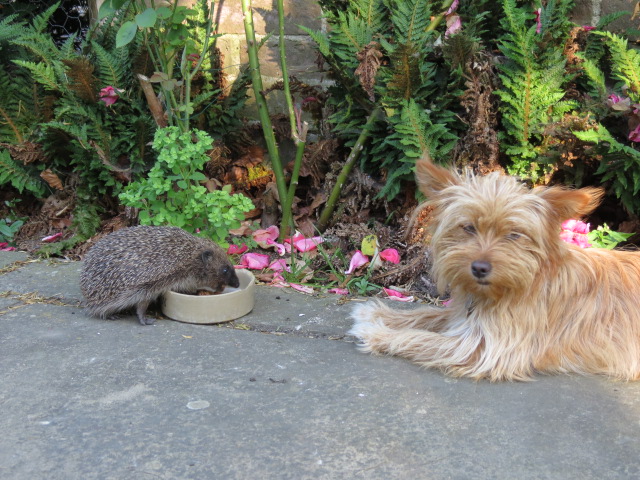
[
  {"x": 279, "y": 265},
  {"x": 390, "y": 255},
  {"x": 356, "y": 262},
  {"x": 255, "y": 261},
  {"x": 395, "y": 295},
  {"x": 237, "y": 249},
  {"x": 306, "y": 244},
  {"x": 51, "y": 238},
  {"x": 301, "y": 288},
  {"x": 338, "y": 291}
]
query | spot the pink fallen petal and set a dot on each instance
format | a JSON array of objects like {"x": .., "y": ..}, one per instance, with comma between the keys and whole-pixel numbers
[
  {"x": 4, "y": 244},
  {"x": 51, "y": 238},
  {"x": 538, "y": 20},
  {"x": 306, "y": 244},
  {"x": 237, "y": 249},
  {"x": 8, "y": 249},
  {"x": 395, "y": 295},
  {"x": 390, "y": 255},
  {"x": 279, "y": 265},
  {"x": 446, "y": 303},
  {"x": 339, "y": 291},
  {"x": 280, "y": 248},
  {"x": 255, "y": 261},
  {"x": 634, "y": 135},
  {"x": 263, "y": 236},
  {"x": 588, "y": 28},
  {"x": 301, "y": 288},
  {"x": 356, "y": 262}
]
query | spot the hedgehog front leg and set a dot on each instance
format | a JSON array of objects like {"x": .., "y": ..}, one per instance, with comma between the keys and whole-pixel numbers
[{"x": 141, "y": 309}]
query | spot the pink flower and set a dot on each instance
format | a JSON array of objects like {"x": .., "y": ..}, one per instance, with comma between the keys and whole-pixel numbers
[
  {"x": 109, "y": 95},
  {"x": 452, "y": 8},
  {"x": 254, "y": 261},
  {"x": 575, "y": 232},
  {"x": 538, "y": 21},
  {"x": 51, "y": 238},
  {"x": 357, "y": 260},
  {"x": 237, "y": 249},
  {"x": 616, "y": 102},
  {"x": 453, "y": 25},
  {"x": 576, "y": 226},
  {"x": 339, "y": 291},
  {"x": 395, "y": 295},
  {"x": 634, "y": 135},
  {"x": 390, "y": 255}
]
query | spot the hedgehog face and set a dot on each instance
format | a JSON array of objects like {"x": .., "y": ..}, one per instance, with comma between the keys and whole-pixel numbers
[{"x": 218, "y": 271}]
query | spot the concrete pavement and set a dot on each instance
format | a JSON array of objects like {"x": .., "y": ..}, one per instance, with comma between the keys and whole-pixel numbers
[{"x": 279, "y": 394}]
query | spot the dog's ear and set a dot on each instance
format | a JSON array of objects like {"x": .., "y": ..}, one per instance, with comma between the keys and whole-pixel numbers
[
  {"x": 432, "y": 178},
  {"x": 572, "y": 203}
]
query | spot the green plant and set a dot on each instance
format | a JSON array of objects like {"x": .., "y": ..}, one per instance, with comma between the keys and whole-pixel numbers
[
  {"x": 10, "y": 225},
  {"x": 178, "y": 41},
  {"x": 172, "y": 193},
  {"x": 533, "y": 78},
  {"x": 395, "y": 95},
  {"x": 604, "y": 237}
]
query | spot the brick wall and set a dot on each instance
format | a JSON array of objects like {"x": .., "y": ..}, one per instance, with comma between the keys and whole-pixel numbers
[{"x": 301, "y": 52}]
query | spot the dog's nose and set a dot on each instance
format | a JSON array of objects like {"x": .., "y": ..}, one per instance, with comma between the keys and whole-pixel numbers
[{"x": 480, "y": 269}]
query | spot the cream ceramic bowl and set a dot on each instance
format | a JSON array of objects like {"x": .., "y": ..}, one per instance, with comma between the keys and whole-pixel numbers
[{"x": 232, "y": 303}]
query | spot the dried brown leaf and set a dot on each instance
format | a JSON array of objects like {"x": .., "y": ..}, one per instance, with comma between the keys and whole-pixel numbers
[
  {"x": 369, "y": 58},
  {"x": 52, "y": 179}
]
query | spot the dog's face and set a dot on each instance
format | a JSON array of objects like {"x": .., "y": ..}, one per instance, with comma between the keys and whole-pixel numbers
[{"x": 494, "y": 238}]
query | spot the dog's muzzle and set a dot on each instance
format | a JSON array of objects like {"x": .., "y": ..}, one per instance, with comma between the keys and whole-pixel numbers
[{"x": 481, "y": 270}]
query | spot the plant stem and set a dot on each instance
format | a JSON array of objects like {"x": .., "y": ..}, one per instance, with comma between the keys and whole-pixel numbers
[
  {"x": 330, "y": 206},
  {"x": 285, "y": 73},
  {"x": 256, "y": 80},
  {"x": 438, "y": 18}
]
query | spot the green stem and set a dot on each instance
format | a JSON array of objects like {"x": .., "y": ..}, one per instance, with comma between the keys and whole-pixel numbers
[
  {"x": 285, "y": 74},
  {"x": 330, "y": 206},
  {"x": 256, "y": 80},
  {"x": 287, "y": 214},
  {"x": 438, "y": 18}
]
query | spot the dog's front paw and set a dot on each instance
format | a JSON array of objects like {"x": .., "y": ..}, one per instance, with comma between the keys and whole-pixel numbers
[{"x": 369, "y": 329}]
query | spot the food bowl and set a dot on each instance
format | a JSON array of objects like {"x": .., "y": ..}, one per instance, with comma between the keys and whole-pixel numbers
[{"x": 232, "y": 303}]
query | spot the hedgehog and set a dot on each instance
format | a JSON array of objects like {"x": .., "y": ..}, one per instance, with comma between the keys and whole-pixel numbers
[{"x": 134, "y": 266}]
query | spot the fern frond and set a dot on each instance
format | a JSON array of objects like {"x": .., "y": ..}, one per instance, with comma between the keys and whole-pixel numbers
[
  {"x": 42, "y": 73},
  {"x": 625, "y": 62},
  {"x": 18, "y": 176},
  {"x": 81, "y": 79},
  {"x": 111, "y": 67}
]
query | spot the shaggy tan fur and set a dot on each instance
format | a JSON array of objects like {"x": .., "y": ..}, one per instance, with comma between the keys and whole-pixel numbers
[{"x": 523, "y": 300}]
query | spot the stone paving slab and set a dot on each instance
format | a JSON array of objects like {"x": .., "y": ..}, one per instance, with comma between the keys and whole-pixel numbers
[{"x": 84, "y": 398}]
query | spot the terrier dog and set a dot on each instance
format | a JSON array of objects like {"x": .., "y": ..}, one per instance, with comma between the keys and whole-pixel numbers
[{"x": 522, "y": 300}]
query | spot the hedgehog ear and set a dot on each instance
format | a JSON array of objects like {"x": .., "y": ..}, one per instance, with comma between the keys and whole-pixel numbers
[{"x": 207, "y": 256}]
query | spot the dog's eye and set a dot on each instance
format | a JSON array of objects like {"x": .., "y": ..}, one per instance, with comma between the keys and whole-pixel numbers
[
  {"x": 514, "y": 236},
  {"x": 470, "y": 229}
]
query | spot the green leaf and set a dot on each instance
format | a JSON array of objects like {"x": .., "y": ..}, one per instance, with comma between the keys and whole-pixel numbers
[
  {"x": 163, "y": 13},
  {"x": 146, "y": 19},
  {"x": 126, "y": 34}
]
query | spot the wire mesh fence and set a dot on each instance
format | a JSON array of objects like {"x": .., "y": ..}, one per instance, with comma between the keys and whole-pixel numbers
[{"x": 71, "y": 17}]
